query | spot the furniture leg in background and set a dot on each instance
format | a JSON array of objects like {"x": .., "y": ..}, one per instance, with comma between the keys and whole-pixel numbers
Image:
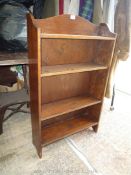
[
  {"x": 112, "y": 100},
  {"x": 13, "y": 101}
]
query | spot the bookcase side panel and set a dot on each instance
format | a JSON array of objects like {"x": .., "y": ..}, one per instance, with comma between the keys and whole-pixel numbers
[
  {"x": 35, "y": 82},
  {"x": 95, "y": 112}
]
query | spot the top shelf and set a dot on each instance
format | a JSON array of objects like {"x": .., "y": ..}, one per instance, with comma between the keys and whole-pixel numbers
[{"x": 68, "y": 36}]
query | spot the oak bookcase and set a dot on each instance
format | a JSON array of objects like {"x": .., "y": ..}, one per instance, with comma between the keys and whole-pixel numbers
[{"x": 70, "y": 60}]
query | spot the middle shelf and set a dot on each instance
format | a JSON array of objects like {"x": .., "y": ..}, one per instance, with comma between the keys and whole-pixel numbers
[
  {"x": 61, "y": 107},
  {"x": 70, "y": 68}
]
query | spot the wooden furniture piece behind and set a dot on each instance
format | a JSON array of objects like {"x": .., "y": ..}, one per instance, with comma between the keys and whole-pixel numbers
[{"x": 72, "y": 58}]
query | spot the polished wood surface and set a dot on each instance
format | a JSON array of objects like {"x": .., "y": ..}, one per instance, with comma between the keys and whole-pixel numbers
[
  {"x": 69, "y": 68},
  {"x": 69, "y": 77}
]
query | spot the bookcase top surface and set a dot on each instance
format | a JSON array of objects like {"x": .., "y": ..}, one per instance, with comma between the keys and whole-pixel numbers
[{"x": 71, "y": 25}]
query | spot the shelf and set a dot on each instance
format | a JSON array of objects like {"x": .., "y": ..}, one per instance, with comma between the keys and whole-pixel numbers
[
  {"x": 9, "y": 59},
  {"x": 61, "y": 107},
  {"x": 65, "y": 128},
  {"x": 68, "y": 36},
  {"x": 69, "y": 68}
]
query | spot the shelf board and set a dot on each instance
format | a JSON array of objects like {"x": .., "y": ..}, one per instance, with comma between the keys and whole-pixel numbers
[
  {"x": 65, "y": 128},
  {"x": 69, "y": 68},
  {"x": 9, "y": 59},
  {"x": 61, "y": 107},
  {"x": 69, "y": 36}
]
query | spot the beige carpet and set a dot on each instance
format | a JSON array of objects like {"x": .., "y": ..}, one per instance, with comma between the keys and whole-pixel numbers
[{"x": 105, "y": 153}]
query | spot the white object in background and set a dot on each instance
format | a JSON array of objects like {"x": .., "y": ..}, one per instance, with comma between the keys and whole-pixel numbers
[
  {"x": 66, "y": 6},
  {"x": 101, "y": 2},
  {"x": 73, "y": 17},
  {"x": 109, "y": 8},
  {"x": 74, "y": 7}
]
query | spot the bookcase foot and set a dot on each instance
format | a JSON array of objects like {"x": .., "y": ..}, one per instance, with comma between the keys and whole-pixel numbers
[
  {"x": 95, "y": 128},
  {"x": 40, "y": 153}
]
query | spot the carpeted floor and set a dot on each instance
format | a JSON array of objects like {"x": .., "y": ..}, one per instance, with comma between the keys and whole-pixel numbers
[{"x": 106, "y": 153}]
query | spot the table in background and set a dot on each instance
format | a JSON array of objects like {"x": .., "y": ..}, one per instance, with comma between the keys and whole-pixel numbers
[{"x": 13, "y": 59}]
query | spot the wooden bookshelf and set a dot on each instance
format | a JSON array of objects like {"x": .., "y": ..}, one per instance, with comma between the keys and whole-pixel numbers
[{"x": 68, "y": 75}]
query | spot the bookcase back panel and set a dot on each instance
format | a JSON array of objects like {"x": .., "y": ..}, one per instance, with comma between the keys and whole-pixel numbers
[
  {"x": 97, "y": 84},
  {"x": 64, "y": 86},
  {"x": 70, "y": 115},
  {"x": 66, "y": 51},
  {"x": 102, "y": 55},
  {"x": 95, "y": 111}
]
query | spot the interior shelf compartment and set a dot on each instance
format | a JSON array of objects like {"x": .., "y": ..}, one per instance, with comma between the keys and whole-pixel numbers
[
  {"x": 65, "y": 128},
  {"x": 68, "y": 36},
  {"x": 61, "y": 107},
  {"x": 69, "y": 68}
]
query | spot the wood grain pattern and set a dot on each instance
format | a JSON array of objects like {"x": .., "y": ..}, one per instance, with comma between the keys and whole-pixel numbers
[
  {"x": 69, "y": 68},
  {"x": 63, "y": 129},
  {"x": 65, "y": 106},
  {"x": 64, "y": 86},
  {"x": 61, "y": 51}
]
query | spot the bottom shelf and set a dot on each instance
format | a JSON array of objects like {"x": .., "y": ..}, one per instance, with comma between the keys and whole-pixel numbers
[{"x": 65, "y": 128}]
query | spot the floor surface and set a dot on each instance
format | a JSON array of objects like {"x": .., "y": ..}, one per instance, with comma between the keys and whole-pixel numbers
[{"x": 86, "y": 153}]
